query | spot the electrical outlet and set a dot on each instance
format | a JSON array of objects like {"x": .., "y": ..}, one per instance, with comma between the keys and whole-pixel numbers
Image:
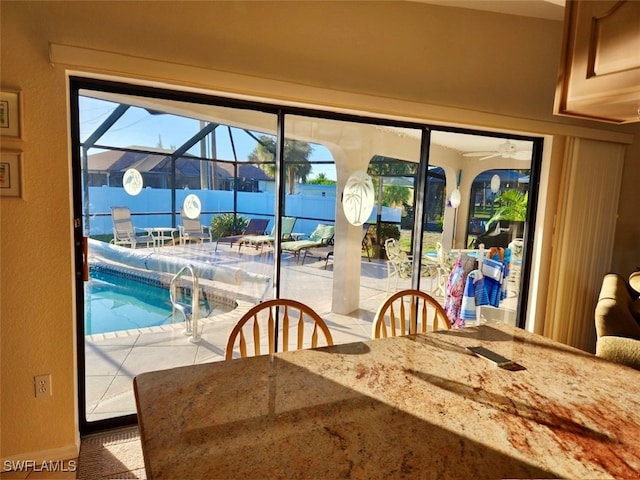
[{"x": 43, "y": 385}]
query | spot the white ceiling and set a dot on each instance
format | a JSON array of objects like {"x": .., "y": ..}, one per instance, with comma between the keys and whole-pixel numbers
[
  {"x": 549, "y": 9},
  {"x": 326, "y": 131}
]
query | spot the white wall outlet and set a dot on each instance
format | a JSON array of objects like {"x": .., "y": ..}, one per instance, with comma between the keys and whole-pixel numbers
[{"x": 43, "y": 385}]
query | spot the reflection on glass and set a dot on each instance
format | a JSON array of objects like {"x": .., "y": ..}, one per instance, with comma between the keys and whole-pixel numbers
[
  {"x": 132, "y": 182},
  {"x": 358, "y": 198},
  {"x": 192, "y": 206}
]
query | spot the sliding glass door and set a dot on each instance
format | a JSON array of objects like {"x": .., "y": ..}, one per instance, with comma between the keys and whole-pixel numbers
[{"x": 193, "y": 209}]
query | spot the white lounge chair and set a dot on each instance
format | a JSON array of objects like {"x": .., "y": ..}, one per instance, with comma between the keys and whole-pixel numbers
[
  {"x": 124, "y": 232},
  {"x": 192, "y": 229},
  {"x": 261, "y": 240}
]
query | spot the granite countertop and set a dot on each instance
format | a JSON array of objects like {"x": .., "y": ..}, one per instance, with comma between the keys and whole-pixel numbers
[{"x": 417, "y": 406}]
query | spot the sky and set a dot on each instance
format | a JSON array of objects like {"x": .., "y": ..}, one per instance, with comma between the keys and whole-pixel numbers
[{"x": 137, "y": 127}]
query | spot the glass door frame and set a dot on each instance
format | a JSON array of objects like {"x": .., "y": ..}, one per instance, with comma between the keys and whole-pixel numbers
[{"x": 77, "y": 83}]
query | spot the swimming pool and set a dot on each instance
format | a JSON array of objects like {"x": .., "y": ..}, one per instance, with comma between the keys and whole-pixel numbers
[{"x": 117, "y": 300}]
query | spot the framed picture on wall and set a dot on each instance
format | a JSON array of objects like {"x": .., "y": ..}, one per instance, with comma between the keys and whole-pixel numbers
[
  {"x": 10, "y": 114},
  {"x": 10, "y": 173}
]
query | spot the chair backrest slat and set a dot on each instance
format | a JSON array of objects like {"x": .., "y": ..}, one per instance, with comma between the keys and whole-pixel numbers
[
  {"x": 301, "y": 332},
  {"x": 243, "y": 344},
  {"x": 392, "y": 321},
  {"x": 256, "y": 335},
  {"x": 314, "y": 336},
  {"x": 285, "y": 328},
  {"x": 271, "y": 325}
]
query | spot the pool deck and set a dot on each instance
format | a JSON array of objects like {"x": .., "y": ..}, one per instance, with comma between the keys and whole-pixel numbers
[{"x": 113, "y": 359}]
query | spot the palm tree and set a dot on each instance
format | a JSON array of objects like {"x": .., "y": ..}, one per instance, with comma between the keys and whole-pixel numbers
[
  {"x": 296, "y": 159},
  {"x": 512, "y": 205},
  {"x": 395, "y": 195}
]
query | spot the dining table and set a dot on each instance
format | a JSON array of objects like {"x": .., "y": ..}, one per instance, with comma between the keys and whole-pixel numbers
[{"x": 418, "y": 406}]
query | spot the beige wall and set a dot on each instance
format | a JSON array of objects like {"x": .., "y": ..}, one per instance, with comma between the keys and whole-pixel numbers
[{"x": 418, "y": 60}]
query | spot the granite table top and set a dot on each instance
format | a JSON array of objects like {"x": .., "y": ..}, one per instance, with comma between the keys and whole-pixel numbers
[{"x": 406, "y": 407}]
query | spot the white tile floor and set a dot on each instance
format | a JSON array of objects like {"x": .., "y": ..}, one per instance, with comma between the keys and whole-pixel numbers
[{"x": 113, "y": 360}]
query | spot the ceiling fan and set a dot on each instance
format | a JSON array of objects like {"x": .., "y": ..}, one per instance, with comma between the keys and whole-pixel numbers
[{"x": 504, "y": 150}]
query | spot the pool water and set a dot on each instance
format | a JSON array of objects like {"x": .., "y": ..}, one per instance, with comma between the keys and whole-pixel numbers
[{"x": 114, "y": 303}]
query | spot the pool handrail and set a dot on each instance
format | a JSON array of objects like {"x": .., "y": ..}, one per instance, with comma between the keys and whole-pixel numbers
[{"x": 190, "y": 313}]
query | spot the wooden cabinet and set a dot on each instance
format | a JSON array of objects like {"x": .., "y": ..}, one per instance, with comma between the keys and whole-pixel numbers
[{"x": 600, "y": 69}]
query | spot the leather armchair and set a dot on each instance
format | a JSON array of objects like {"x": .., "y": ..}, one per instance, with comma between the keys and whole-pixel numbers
[{"x": 617, "y": 316}]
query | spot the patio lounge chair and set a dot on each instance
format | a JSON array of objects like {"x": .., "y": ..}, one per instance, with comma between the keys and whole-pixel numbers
[
  {"x": 326, "y": 253},
  {"x": 124, "y": 232},
  {"x": 256, "y": 226},
  {"x": 261, "y": 240},
  {"x": 322, "y": 236},
  {"x": 192, "y": 229}
]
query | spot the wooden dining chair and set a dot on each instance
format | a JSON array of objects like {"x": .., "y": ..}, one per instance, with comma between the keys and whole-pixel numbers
[
  {"x": 298, "y": 327},
  {"x": 407, "y": 312}
]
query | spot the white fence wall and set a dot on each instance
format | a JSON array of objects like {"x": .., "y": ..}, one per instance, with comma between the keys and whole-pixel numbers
[{"x": 152, "y": 207}]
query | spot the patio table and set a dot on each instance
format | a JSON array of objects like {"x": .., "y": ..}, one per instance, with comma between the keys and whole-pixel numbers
[
  {"x": 162, "y": 235},
  {"x": 420, "y": 406}
]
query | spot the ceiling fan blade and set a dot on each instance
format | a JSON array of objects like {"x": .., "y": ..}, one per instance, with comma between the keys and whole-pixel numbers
[
  {"x": 496, "y": 154},
  {"x": 477, "y": 154}
]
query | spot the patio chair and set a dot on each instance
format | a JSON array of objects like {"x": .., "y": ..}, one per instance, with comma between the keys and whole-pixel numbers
[
  {"x": 408, "y": 312},
  {"x": 192, "y": 229},
  {"x": 326, "y": 253},
  {"x": 298, "y": 326},
  {"x": 445, "y": 265},
  {"x": 256, "y": 226},
  {"x": 322, "y": 236},
  {"x": 261, "y": 240},
  {"x": 124, "y": 232},
  {"x": 399, "y": 263}
]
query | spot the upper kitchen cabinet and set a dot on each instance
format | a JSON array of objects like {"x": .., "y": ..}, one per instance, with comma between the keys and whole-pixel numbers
[{"x": 600, "y": 68}]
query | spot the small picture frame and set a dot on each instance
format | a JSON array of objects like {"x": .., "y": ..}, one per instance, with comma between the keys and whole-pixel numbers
[
  {"x": 10, "y": 114},
  {"x": 10, "y": 174}
]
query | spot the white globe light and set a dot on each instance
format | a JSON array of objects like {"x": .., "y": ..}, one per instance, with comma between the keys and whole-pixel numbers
[
  {"x": 495, "y": 183},
  {"x": 455, "y": 198}
]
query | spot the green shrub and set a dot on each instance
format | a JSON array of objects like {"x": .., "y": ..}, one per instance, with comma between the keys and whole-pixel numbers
[
  {"x": 227, "y": 224},
  {"x": 388, "y": 230}
]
